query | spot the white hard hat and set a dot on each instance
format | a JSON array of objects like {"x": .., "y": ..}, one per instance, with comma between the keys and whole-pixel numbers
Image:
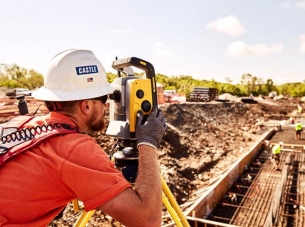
[
  {"x": 281, "y": 143},
  {"x": 74, "y": 75}
]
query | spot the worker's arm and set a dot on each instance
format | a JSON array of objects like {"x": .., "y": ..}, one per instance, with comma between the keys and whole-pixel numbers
[{"x": 142, "y": 205}]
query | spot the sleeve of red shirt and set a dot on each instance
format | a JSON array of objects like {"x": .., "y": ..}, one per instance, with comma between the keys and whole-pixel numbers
[{"x": 88, "y": 173}]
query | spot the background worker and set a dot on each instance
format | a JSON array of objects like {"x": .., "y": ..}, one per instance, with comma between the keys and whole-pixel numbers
[
  {"x": 276, "y": 151},
  {"x": 37, "y": 184},
  {"x": 298, "y": 130}
]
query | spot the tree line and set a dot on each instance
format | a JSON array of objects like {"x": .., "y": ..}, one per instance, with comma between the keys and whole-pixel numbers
[{"x": 14, "y": 76}]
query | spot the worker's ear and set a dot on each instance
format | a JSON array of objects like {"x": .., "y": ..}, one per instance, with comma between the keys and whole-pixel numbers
[{"x": 84, "y": 106}]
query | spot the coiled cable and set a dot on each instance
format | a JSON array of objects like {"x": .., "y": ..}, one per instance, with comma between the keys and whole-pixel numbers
[{"x": 26, "y": 134}]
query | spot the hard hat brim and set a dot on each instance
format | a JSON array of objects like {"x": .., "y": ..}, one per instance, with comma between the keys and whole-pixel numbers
[{"x": 46, "y": 94}]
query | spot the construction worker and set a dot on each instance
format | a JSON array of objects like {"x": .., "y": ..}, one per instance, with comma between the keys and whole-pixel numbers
[
  {"x": 298, "y": 129},
  {"x": 276, "y": 151},
  {"x": 37, "y": 184}
]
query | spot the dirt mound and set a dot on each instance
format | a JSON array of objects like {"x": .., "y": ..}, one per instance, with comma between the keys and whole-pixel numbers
[{"x": 202, "y": 140}]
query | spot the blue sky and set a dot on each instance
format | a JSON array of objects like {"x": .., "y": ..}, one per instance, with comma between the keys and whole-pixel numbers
[{"x": 203, "y": 39}]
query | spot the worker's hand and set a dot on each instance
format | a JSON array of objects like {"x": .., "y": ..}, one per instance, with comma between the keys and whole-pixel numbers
[{"x": 151, "y": 130}]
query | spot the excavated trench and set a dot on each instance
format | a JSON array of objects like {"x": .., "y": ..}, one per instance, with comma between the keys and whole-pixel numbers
[
  {"x": 249, "y": 200},
  {"x": 263, "y": 195},
  {"x": 293, "y": 194}
]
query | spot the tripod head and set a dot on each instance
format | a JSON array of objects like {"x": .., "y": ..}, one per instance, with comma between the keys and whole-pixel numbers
[{"x": 132, "y": 94}]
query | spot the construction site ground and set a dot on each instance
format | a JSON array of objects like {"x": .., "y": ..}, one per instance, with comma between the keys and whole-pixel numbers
[{"x": 201, "y": 142}]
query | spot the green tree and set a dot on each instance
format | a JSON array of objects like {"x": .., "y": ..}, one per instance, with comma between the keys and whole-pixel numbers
[
  {"x": 13, "y": 76},
  {"x": 15, "y": 72},
  {"x": 228, "y": 80},
  {"x": 260, "y": 86},
  {"x": 162, "y": 79},
  {"x": 284, "y": 89},
  {"x": 35, "y": 80},
  {"x": 247, "y": 82},
  {"x": 269, "y": 85}
]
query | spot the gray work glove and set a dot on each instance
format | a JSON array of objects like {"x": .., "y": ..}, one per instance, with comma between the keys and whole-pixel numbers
[{"x": 151, "y": 130}]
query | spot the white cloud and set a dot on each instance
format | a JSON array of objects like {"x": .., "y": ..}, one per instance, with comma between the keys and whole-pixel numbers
[
  {"x": 239, "y": 49},
  {"x": 228, "y": 25},
  {"x": 300, "y": 4},
  {"x": 161, "y": 49},
  {"x": 301, "y": 38},
  {"x": 118, "y": 31},
  {"x": 285, "y": 5}
]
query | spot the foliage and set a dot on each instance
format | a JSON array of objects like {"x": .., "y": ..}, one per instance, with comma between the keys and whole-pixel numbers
[
  {"x": 292, "y": 89},
  {"x": 13, "y": 76}
]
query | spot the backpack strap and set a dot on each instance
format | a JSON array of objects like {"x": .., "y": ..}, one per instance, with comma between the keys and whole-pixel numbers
[{"x": 26, "y": 138}]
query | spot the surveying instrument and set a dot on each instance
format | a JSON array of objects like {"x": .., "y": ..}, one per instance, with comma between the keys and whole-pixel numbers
[{"x": 132, "y": 94}]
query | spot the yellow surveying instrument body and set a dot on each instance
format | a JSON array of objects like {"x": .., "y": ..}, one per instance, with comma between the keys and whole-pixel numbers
[{"x": 132, "y": 93}]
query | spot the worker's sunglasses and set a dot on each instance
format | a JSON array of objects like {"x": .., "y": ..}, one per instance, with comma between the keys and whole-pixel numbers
[{"x": 103, "y": 99}]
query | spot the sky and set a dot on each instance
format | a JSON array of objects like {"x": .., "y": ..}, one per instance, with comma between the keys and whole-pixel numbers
[{"x": 207, "y": 40}]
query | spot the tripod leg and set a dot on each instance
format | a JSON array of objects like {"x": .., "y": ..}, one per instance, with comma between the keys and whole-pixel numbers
[
  {"x": 75, "y": 205},
  {"x": 171, "y": 211},
  {"x": 172, "y": 206},
  {"x": 168, "y": 200},
  {"x": 84, "y": 218}
]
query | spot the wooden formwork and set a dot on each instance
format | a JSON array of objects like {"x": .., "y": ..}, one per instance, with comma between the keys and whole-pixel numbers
[{"x": 209, "y": 200}]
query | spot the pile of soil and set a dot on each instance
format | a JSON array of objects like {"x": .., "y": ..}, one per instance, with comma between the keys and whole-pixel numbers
[{"x": 202, "y": 140}]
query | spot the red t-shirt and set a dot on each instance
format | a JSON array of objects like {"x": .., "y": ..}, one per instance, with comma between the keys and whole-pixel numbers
[{"x": 37, "y": 184}]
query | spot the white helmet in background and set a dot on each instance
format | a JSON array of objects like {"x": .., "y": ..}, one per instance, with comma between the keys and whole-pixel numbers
[
  {"x": 74, "y": 75},
  {"x": 281, "y": 143}
]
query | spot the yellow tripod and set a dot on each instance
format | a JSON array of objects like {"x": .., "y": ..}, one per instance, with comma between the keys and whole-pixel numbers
[{"x": 167, "y": 198}]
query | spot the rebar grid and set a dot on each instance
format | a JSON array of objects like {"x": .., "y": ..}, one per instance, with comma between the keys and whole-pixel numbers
[
  {"x": 249, "y": 200},
  {"x": 292, "y": 212}
]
